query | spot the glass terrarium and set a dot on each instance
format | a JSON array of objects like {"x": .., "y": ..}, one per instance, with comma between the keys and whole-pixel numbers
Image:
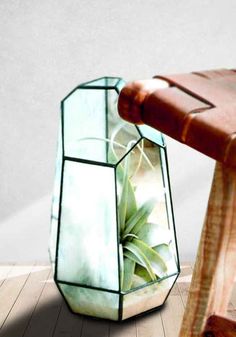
[{"x": 113, "y": 243}]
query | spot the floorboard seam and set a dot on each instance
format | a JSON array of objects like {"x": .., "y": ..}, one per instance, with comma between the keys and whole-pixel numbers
[
  {"x": 16, "y": 298},
  {"x": 36, "y": 304}
]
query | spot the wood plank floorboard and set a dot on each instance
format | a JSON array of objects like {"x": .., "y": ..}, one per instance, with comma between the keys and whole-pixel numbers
[
  {"x": 44, "y": 318},
  {"x": 31, "y": 306},
  {"x": 94, "y": 327},
  {"x": 4, "y": 271},
  {"x": 68, "y": 324},
  {"x": 123, "y": 329},
  {"x": 16, "y": 322},
  {"x": 11, "y": 288},
  {"x": 184, "y": 282},
  {"x": 150, "y": 325},
  {"x": 172, "y": 314}
]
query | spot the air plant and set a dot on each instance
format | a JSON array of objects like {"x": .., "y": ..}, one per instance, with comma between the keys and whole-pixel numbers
[
  {"x": 144, "y": 246},
  {"x": 142, "y": 254}
]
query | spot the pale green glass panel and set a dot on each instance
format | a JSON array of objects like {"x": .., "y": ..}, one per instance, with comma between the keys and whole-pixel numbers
[
  {"x": 151, "y": 134},
  {"x": 88, "y": 233},
  {"x": 55, "y": 200},
  {"x": 120, "y": 84},
  {"x": 146, "y": 298},
  {"x": 91, "y": 302},
  {"x": 149, "y": 235},
  {"x": 93, "y": 129},
  {"x": 84, "y": 117}
]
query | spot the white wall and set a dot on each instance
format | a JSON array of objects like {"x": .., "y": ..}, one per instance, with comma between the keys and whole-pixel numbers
[{"x": 47, "y": 47}]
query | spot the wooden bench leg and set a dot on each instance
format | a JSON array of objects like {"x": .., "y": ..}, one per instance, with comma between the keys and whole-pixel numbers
[{"x": 215, "y": 266}]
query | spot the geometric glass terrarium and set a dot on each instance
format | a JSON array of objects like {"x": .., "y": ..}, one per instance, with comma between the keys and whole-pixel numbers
[{"x": 112, "y": 243}]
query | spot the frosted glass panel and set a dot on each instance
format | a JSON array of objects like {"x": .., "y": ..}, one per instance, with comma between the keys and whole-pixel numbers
[
  {"x": 93, "y": 129},
  {"x": 146, "y": 298},
  {"x": 84, "y": 118},
  {"x": 88, "y": 233},
  {"x": 91, "y": 302}
]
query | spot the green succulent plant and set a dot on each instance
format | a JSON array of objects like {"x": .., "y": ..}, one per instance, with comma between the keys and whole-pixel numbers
[
  {"x": 144, "y": 246},
  {"x": 142, "y": 257}
]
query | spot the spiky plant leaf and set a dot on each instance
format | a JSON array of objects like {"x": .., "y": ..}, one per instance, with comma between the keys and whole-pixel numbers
[
  {"x": 156, "y": 261},
  {"x": 124, "y": 196},
  {"x": 137, "y": 281},
  {"x": 131, "y": 256},
  {"x": 140, "y": 222},
  {"x": 144, "y": 211},
  {"x": 164, "y": 251},
  {"x": 129, "y": 266},
  {"x": 128, "y": 205},
  {"x": 142, "y": 273},
  {"x": 141, "y": 258},
  {"x": 131, "y": 202},
  {"x": 129, "y": 236}
]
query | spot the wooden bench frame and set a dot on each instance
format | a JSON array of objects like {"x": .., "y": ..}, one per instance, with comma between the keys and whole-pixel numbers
[{"x": 199, "y": 109}]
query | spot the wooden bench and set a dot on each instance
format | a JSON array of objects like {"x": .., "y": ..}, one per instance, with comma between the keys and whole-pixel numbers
[{"x": 199, "y": 110}]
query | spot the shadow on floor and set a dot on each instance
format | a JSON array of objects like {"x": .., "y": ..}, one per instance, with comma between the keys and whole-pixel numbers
[{"x": 55, "y": 320}]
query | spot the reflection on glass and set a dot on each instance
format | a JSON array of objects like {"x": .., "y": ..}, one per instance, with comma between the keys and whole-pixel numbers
[
  {"x": 147, "y": 298},
  {"x": 91, "y": 302}
]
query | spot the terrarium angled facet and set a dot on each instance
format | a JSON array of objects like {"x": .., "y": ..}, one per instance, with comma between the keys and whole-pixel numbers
[{"x": 113, "y": 243}]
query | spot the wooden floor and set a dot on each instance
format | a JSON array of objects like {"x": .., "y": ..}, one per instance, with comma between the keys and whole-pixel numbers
[{"x": 30, "y": 306}]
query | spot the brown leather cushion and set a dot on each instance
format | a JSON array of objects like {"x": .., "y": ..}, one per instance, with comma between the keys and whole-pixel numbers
[
  {"x": 209, "y": 129},
  {"x": 198, "y": 109}
]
